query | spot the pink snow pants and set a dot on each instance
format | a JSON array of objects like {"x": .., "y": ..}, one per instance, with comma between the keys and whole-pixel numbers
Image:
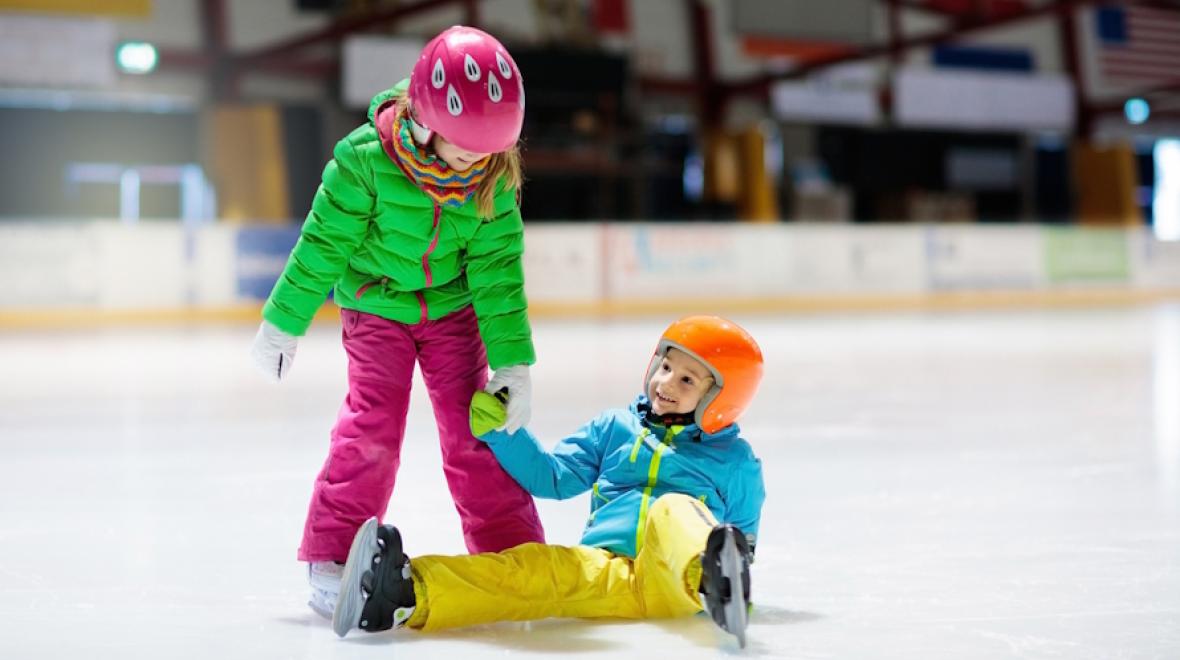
[{"x": 357, "y": 479}]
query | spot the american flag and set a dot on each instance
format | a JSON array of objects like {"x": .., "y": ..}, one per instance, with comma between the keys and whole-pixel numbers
[{"x": 1138, "y": 47}]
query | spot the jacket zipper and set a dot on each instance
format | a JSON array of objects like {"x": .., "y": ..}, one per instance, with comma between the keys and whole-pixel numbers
[
  {"x": 433, "y": 245},
  {"x": 653, "y": 473},
  {"x": 426, "y": 263}
]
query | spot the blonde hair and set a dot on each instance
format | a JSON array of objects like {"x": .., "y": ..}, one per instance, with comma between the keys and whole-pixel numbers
[{"x": 504, "y": 165}]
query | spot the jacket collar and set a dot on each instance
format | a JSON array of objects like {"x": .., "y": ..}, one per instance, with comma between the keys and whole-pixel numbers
[{"x": 641, "y": 408}]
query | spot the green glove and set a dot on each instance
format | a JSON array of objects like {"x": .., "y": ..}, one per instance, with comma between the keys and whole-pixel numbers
[{"x": 487, "y": 412}]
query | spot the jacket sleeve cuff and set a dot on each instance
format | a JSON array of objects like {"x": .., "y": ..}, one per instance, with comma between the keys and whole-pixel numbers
[
  {"x": 285, "y": 321},
  {"x": 509, "y": 353}
]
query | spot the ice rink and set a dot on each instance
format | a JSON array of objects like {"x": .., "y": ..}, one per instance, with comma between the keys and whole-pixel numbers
[{"x": 998, "y": 484}]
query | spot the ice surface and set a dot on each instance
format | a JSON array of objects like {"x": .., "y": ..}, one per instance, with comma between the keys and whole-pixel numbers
[{"x": 943, "y": 485}]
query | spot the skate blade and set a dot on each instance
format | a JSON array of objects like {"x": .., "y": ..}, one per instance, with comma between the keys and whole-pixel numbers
[
  {"x": 735, "y": 608},
  {"x": 348, "y": 608}
]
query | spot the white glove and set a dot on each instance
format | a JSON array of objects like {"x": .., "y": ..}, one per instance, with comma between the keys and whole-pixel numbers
[
  {"x": 520, "y": 394},
  {"x": 273, "y": 351}
]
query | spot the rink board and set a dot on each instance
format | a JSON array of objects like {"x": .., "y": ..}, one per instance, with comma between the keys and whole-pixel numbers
[{"x": 108, "y": 267}]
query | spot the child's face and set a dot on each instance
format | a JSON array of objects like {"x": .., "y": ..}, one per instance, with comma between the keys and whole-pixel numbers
[
  {"x": 457, "y": 159},
  {"x": 678, "y": 384}
]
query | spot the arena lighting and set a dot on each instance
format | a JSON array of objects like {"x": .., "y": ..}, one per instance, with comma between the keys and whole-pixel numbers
[
  {"x": 1137, "y": 110},
  {"x": 1166, "y": 205},
  {"x": 136, "y": 57}
]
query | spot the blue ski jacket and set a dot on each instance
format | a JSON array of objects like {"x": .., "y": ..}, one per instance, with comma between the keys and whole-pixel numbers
[{"x": 627, "y": 461}]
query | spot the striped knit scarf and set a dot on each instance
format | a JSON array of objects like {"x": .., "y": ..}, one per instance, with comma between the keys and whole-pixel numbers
[{"x": 441, "y": 183}]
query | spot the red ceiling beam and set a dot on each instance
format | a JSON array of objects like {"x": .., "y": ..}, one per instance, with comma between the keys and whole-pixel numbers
[
  {"x": 184, "y": 60},
  {"x": 223, "y": 81},
  {"x": 760, "y": 84},
  {"x": 200, "y": 62},
  {"x": 214, "y": 26},
  {"x": 921, "y": 6},
  {"x": 893, "y": 16},
  {"x": 1067, "y": 31},
  {"x": 673, "y": 86},
  {"x": 304, "y": 68},
  {"x": 894, "y": 47},
  {"x": 471, "y": 13},
  {"x": 336, "y": 31},
  {"x": 711, "y": 104},
  {"x": 277, "y": 58},
  {"x": 1166, "y": 5},
  {"x": 704, "y": 83}
]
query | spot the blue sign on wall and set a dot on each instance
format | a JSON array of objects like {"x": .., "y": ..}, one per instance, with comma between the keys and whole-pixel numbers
[
  {"x": 988, "y": 58},
  {"x": 262, "y": 252}
]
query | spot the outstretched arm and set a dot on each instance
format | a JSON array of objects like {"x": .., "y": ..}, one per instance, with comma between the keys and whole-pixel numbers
[
  {"x": 335, "y": 227},
  {"x": 568, "y": 470},
  {"x": 495, "y": 274}
]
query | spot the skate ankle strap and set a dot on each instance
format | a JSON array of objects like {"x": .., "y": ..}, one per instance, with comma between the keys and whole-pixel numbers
[{"x": 401, "y": 615}]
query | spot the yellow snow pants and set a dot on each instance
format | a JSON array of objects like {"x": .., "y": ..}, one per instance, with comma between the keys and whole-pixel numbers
[{"x": 536, "y": 581}]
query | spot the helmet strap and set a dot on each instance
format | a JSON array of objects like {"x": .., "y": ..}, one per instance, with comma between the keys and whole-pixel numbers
[
  {"x": 667, "y": 419},
  {"x": 673, "y": 419}
]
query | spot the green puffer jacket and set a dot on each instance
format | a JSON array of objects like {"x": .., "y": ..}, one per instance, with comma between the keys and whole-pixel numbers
[{"x": 391, "y": 251}]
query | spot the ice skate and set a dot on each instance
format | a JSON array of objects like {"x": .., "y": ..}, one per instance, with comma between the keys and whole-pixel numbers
[
  {"x": 726, "y": 564},
  {"x": 376, "y": 592},
  {"x": 324, "y": 579}
]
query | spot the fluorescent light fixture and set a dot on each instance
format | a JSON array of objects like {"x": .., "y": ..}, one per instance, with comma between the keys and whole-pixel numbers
[
  {"x": 136, "y": 57},
  {"x": 1166, "y": 205}
]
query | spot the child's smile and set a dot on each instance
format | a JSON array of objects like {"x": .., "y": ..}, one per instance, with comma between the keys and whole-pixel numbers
[{"x": 678, "y": 383}]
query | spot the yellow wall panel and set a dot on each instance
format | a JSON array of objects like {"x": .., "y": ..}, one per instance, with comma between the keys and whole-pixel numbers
[
  {"x": 121, "y": 8},
  {"x": 759, "y": 199},
  {"x": 247, "y": 162},
  {"x": 1105, "y": 177},
  {"x": 722, "y": 167}
]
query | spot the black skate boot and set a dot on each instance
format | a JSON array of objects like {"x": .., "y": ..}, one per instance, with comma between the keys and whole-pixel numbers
[
  {"x": 726, "y": 564},
  {"x": 376, "y": 591}
]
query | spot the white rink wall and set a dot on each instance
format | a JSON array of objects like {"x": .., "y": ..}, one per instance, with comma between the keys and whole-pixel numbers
[{"x": 104, "y": 265}]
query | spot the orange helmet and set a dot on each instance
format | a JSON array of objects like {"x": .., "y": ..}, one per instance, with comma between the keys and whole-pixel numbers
[{"x": 733, "y": 358}]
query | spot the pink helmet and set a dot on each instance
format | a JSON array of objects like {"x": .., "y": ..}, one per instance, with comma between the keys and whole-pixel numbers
[{"x": 466, "y": 87}]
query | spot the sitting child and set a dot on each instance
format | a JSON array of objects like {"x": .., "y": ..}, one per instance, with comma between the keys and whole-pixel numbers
[{"x": 662, "y": 474}]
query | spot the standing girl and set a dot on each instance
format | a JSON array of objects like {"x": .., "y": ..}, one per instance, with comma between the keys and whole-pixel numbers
[{"x": 417, "y": 225}]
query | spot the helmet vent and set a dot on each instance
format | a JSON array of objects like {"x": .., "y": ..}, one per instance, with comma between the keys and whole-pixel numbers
[
  {"x": 438, "y": 76},
  {"x": 495, "y": 93},
  {"x": 454, "y": 104},
  {"x": 470, "y": 68},
  {"x": 505, "y": 70}
]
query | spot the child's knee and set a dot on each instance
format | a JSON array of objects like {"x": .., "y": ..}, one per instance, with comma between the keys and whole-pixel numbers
[
  {"x": 681, "y": 504},
  {"x": 670, "y": 501}
]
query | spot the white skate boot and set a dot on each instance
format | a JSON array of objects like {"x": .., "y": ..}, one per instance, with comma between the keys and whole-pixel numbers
[{"x": 324, "y": 579}]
